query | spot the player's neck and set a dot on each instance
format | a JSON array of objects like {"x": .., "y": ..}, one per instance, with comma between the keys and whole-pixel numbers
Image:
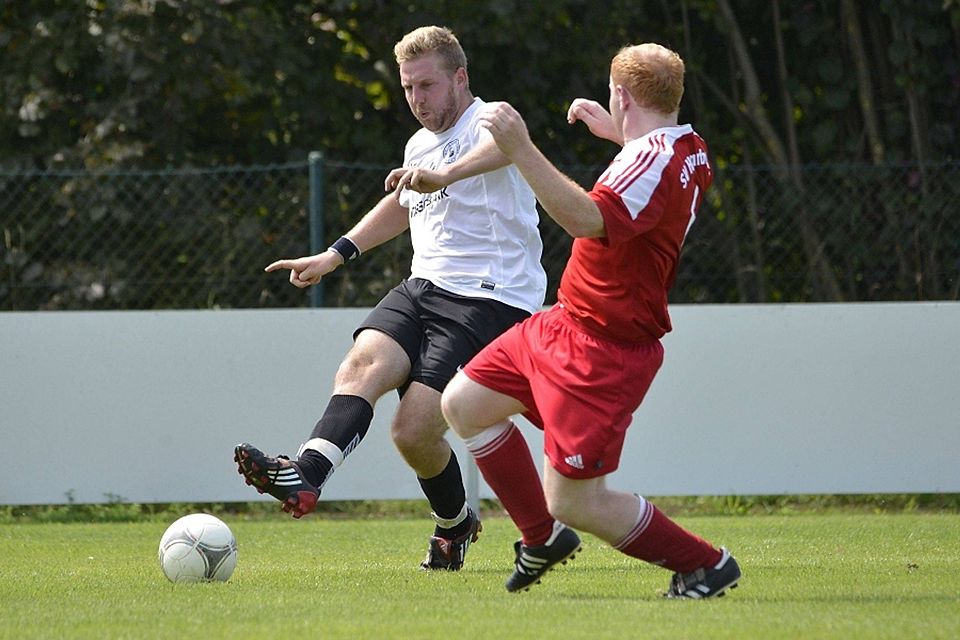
[
  {"x": 642, "y": 121},
  {"x": 463, "y": 103}
]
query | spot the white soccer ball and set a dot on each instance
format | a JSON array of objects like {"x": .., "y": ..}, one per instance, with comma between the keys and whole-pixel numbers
[{"x": 198, "y": 548}]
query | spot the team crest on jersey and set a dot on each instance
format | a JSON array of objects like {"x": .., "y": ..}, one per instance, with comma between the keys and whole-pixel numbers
[{"x": 451, "y": 150}]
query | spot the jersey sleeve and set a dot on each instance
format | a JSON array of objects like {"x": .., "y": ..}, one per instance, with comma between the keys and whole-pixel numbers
[
  {"x": 406, "y": 195},
  {"x": 630, "y": 193},
  {"x": 405, "y": 198},
  {"x": 622, "y": 224},
  {"x": 481, "y": 134}
]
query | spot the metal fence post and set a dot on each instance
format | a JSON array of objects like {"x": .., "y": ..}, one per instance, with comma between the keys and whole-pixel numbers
[{"x": 315, "y": 163}]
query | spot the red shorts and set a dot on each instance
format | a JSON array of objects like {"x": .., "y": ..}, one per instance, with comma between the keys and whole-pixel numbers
[{"x": 579, "y": 389}]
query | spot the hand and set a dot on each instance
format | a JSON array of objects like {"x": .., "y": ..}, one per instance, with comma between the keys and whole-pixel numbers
[
  {"x": 309, "y": 270},
  {"x": 506, "y": 126},
  {"x": 598, "y": 120},
  {"x": 418, "y": 179}
]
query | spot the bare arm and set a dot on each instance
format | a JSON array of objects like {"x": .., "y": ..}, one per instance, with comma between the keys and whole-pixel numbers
[
  {"x": 485, "y": 157},
  {"x": 598, "y": 120},
  {"x": 563, "y": 199},
  {"x": 385, "y": 221}
]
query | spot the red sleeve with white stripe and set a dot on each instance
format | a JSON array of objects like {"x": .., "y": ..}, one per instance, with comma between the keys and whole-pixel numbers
[{"x": 630, "y": 193}]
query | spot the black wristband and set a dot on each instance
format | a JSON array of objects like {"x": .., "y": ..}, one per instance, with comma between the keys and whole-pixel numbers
[{"x": 346, "y": 248}]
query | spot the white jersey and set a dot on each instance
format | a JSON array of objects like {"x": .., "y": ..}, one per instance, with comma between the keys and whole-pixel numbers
[{"x": 477, "y": 237}]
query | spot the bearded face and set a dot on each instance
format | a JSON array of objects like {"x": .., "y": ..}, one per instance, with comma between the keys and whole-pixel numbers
[{"x": 435, "y": 95}]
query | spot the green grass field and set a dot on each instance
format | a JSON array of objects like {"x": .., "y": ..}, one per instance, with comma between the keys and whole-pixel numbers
[{"x": 835, "y": 575}]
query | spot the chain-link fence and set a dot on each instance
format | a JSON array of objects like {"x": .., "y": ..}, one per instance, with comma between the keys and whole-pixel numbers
[{"x": 199, "y": 238}]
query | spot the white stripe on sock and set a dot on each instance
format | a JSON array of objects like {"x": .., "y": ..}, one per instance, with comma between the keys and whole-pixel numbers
[
  {"x": 449, "y": 523},
  {"x": 325, "y": 448},
  {"x": 643, "y": 521},
  {"x": 489, "y": 440}
]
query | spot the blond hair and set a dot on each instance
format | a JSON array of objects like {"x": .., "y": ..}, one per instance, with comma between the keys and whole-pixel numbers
[
  {"x": 652, "y": 74},
  {"x": 432, "y": 39}
]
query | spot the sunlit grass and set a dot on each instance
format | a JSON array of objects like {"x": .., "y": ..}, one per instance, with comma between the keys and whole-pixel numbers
[{"x": 843, "y": 575}]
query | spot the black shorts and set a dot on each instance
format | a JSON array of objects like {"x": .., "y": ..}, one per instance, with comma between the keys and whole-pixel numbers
[{"x": 440, "y": 331}]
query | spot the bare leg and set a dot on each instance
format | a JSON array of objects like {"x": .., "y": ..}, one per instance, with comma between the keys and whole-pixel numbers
[
  {"x": 418, "y": 431},
  {"x": 589, "y": 505}
]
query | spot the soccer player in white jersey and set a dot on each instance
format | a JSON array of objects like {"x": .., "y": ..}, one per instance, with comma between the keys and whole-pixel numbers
[
  {"x": 580, "y": 370},
  {"x": 475, "y": 272}
]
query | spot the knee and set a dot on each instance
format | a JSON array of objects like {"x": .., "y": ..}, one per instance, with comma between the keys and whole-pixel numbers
[
  {"x": 449, "y": 408},
  {"x": 405, "y": 441},
  {"x": 370, "y": 374},
  {"x": 453, "y": 407},
  {"x": 412, "y": 437},
  {"x": 353, "y": 368}
]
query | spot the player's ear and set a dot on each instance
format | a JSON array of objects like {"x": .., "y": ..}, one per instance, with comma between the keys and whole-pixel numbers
[
  {"x": 623, "y": 97},
  {"x": 460, "y": 76}
]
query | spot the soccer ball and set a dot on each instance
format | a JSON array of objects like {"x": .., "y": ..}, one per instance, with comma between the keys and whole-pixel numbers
[{"x": 198, "y": 548}]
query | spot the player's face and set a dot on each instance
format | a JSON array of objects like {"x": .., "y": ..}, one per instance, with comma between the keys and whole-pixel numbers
[{"x": 435, "y": 95}]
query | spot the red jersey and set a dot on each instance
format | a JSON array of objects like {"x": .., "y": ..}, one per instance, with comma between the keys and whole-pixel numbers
[{"x": 616, "y": 286}]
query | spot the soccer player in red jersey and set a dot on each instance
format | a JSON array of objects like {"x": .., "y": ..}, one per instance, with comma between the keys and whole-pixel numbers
[{"x": 580, "y": 370}]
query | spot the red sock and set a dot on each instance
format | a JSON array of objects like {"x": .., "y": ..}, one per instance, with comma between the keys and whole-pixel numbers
[
  {"x": 504, "y": 459},
  {"x": 659, "y": 540}
]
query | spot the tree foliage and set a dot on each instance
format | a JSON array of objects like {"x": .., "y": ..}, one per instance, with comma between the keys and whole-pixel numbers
[
  {"x": 774, "y": 87},
  {"x": 173, "y": 82}
]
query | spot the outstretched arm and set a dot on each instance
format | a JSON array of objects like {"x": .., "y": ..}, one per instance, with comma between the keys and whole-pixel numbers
[
  {"x": 483, "y": 158},
  {"x": 562, "y": 198},
  {"x": 385, "y": 221}
]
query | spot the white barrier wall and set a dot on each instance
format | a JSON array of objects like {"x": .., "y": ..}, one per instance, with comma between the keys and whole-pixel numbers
[{"x": 752, "y": 399}]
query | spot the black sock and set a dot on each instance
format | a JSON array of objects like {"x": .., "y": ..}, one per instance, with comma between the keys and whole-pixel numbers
[
  {"x": 341, "y": 428},
  {"x": 447, "y": 497}
]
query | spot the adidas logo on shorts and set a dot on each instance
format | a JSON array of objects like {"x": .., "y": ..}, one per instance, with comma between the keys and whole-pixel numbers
[{"x": 575, "y": 461}]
